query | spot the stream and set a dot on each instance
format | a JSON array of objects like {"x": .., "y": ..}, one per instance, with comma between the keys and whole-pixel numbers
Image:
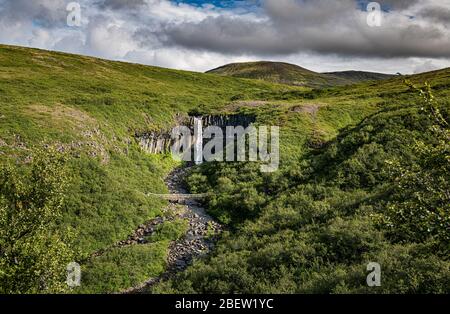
[{"x": 198, "y": 241}]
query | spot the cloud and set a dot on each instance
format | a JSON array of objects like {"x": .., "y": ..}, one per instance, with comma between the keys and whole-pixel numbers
[
  {"x": 320, "y": 26},
  {"x": 121, "y": 4},
  {"x": 437, "y": 15},
  {"x": 425, "y": 67},
  {"x": 184, "y": 58},
  {"x": 321, "y": 34},
  {"x": 45, "y": 13},
  {"x": 108, "y": 38},
  {"x": 400, "y": 4}
]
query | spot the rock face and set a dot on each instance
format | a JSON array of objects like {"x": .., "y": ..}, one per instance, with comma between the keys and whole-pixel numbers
[
  {"x": 223, "y": 121},
  {"x": 161, "y": 142},
  {"x": 155, "y": 143}
]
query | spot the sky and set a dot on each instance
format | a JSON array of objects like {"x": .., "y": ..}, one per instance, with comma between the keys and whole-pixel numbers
[{"x": 413, "y": 36}]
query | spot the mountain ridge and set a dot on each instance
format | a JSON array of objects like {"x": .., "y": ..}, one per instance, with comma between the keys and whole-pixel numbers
[
  {"x": 358, "y": 76},
  {"x": 291, "y": 74}
]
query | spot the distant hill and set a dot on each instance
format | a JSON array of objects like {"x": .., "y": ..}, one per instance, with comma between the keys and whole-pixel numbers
[
  {"x": 359, "y": 76},
  {"x": 285, "y": 73}
]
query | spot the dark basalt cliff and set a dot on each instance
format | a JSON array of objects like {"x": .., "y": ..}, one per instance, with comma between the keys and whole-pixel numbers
[{"x": 161, "y": 142}]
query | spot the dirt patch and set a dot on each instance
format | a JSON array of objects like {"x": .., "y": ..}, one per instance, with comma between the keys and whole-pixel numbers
[
  {"x": 61, "y": 112},
  {"x": 311, "y": 109},
  {"x": 246, "y": 103},
  {"x": 63, "y": 117},
  {"x": 46, "y": 60}
]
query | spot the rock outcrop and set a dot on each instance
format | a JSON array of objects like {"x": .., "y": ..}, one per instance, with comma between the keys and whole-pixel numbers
[
  {"x": 155, "y": 143},
  {"x": 161, "y": 142}
]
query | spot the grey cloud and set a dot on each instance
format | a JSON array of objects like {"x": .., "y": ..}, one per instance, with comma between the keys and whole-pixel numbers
[
  {"x": 46, "y": 13},
  {"x": 399, "y": 4},
  {"x": 320, "y": 26},
  {"x": 312, "y": 12},
  {"x": 413, "y": 41},
  {"x": 437, "y": 15},
  {"x": 307, "y": 12},
  {"x": 121, "y": 4},
  {"x": 228, "y": 35}
]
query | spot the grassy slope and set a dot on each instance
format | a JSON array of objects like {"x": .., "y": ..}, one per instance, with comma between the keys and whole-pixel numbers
[
  {"x": 92, "y": 108},
  {"x": 312, "y": 227},
  {"x": 359, "y": 76}
]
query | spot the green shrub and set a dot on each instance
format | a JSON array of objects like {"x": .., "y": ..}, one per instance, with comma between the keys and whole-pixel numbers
[{"x": 33, "y": 253}]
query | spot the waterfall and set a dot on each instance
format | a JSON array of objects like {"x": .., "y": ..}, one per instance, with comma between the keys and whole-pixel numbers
[
  {"x": 198, "y": 140},
  {"x": 161, "y": 142}
]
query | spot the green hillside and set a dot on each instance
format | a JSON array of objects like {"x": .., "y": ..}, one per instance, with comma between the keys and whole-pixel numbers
[
  {"x": 290, "y": 74},
  {"x": 378, "y": 192},
  {"x": 360, "y": 76},
  {"x": 334, "y": 142}
]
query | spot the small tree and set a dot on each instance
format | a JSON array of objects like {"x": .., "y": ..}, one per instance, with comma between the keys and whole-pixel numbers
[
  {"x": 33, "y": 253},
  {"x": 421, "y": 205}
]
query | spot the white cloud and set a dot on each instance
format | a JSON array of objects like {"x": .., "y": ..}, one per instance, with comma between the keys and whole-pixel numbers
[
  {"x": 40, "y": 38},
  {"x": 425, "y": 66},
  {"x": 108, "y": 38},
  {"x": 184, "y": 59}
]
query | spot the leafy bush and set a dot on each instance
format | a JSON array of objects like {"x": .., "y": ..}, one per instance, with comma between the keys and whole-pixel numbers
[
  {"x": 33, "y": 252},
  {"x": 420, "y": 207}
]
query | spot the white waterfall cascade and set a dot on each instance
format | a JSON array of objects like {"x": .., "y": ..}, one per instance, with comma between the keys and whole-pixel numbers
[{"x": 198, "y": 141}]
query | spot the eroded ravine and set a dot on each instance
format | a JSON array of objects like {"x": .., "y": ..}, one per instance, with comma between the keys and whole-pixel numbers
[{"x": 198, "y": 241}]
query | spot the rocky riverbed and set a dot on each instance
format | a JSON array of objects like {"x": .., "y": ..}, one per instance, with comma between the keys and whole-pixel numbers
[{"x": 198, "y": 240}]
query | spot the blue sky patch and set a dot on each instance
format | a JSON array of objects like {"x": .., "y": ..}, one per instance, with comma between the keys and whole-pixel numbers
[{"x": 230, "y": 4}]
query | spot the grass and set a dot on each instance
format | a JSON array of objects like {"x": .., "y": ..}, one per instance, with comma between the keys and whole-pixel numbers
[
  {"x": 92, "y": 108},
  {"x": 173, "y": 230},
  {"x": 315, "y": 225},
  {"x": 122, "y": 268}
]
